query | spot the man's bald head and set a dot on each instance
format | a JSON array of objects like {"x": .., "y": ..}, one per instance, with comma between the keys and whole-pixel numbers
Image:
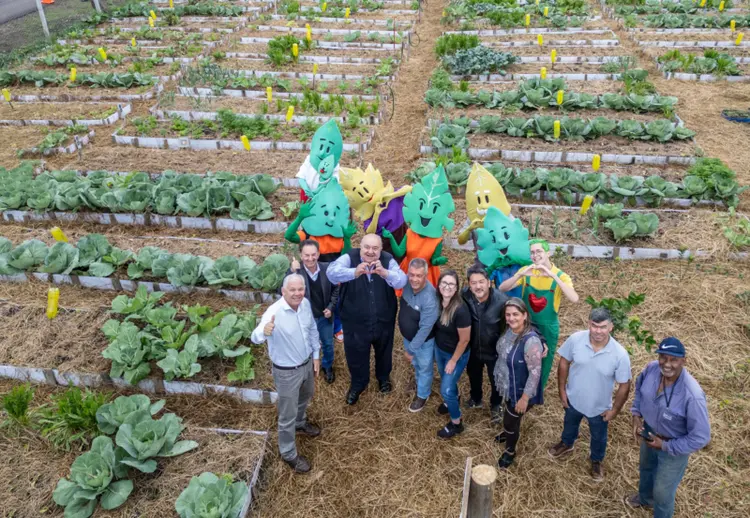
[{"x": 370, "y": 249}]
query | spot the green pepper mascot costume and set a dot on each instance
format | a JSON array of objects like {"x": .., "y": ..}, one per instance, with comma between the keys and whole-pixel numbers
[
  {"x": 426, "y": 211},
  {"x": 325, "y": 219}
]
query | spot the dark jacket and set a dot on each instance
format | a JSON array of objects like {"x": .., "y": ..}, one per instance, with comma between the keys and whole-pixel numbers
[
  {"x": 367, "y": 303},
  {"x": 330, "y": 291},
  {"x": 487, "y": 323},
  {"x": 519, "y": 370}
]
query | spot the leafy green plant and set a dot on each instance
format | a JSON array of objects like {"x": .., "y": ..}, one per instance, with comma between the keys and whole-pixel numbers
[
  {"x": 71, "y": 417},
  {"x": 16, "y": 403},
  {"x": 478, "y": 60},
  {"x": 244, "y": 368},
  {"x": 268, "y": 276},
  {"x": 142, "y": 438},
  {"x": 211, "y": 495},
  {"x": 619, "y": 308},
  {"x": 448, "y": 44},
  {"x": 111, "y": 415},
  {"x": 93, "y": 476},
  {"x": 183, "y": 364}
]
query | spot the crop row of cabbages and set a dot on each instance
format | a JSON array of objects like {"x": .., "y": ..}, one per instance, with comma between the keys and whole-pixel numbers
[
  {"x": 102, "y": 475},
  {"x": 708, "y": 179},
  {"x": 453, "y": 132},
  {"x": 152, "y": 331},
  {"x": 42, "y": 78},
  {"x": 679, "y": 21},
  {"x": 542, "y": 93},
  {"x": 240, "y": 197},
  {"x": 93, "y": 255},
  {"x": 659, "y": 6},
  {"x": 509, "y": 14}
]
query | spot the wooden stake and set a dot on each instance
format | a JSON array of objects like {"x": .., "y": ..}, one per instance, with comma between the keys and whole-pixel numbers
[
  {"x": 42, "y": 17},
  {"x": 480, "y": 491},
  {"x": 465, "y": 492}
]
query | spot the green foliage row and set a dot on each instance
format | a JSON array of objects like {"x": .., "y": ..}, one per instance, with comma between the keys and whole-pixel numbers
[
  {"x": 240, "y": 197},
  {"x": 175, "y": 338},
  {"x": 707, "y": 179},
  {"x": 93, "y": 255},
  {"x": 712, "y": 62},
  {"x": 659, "y": 6},
  {"x": 42, "y": 78},
  {"x": 680, "y": 21},
  {"x": 478, "y": 60}
]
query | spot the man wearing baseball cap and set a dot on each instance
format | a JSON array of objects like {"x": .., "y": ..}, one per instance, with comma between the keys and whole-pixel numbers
[{"x": 670, "y": 420}]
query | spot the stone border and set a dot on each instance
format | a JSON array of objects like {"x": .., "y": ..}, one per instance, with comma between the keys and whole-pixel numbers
[
  {"x": 212, "y": 144},
  {"x": 54, "y": 377},
  {"x": 315, "y": 30},
  {"x": 615, "y": 252},
  {"x": 121, "y": 112},
  {"x": 116, "y": 284},
  {"x": 147, "y": 220},
  {"x": 702, "y": 77},
  {"x": 566, "y": 156}
]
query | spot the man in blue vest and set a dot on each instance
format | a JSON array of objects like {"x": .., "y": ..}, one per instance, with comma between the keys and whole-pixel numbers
[{"x": 368, "y": 277}]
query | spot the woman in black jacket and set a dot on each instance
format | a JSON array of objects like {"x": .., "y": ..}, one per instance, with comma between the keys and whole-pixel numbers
[{"x": 518, "y": 373}]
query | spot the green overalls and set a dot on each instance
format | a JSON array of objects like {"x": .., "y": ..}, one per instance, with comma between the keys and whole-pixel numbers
[{"x": 541, "y": 304}]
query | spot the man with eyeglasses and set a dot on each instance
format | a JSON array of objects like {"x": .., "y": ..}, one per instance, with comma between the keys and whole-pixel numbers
[
  {"x": 368, "y": 277},
  {"x": 543, "y": 285}
]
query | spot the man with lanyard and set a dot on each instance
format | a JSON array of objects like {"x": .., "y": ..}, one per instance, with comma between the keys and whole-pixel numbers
[
  {"x": 416, "y": 321},
  {"x": 289, "y": 327},
  {"x": 543, "y": 286},
  {"x": 368, "y": 277},
  {"x": 323, "y": 297},
  {"x": 670, "y": 420}
]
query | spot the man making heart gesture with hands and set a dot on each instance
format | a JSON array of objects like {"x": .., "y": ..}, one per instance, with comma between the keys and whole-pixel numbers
[{"x": 543, "y": 286}]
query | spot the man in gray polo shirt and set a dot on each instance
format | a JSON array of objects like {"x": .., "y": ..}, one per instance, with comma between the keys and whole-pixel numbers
[{"x": 590, "y": 363}]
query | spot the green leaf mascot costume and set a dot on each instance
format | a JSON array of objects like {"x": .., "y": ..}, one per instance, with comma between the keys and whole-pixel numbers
[
  {"x": 322, "y": 164},
  {"x": 426, "y": 211},
  {"x": 325, "y": 219}
]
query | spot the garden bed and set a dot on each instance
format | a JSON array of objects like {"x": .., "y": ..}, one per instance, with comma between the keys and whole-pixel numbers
[
  {"x": 57, "y": 114},
  {"x": 83, "y": 94}
]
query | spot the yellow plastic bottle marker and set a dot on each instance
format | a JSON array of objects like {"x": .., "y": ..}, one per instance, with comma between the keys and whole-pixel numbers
[
  {"x": 171, "y": 4},
  {"x": 543, "y": 73},
  {"x": 732, "y": 25},
  {"x": 6, "y": 94},
  {"x": 586, "y": 205},
  {"x": 560, "y": 97},
  {"x": 739, "y": 39},
  {"x": 596, "y": 162},
  {"x": 132, "y": 42},
  {"x": 245, "y": 142},
  {"x": 289, "y": 113},
  {"x": 528, "y": 20},
  {"x": 546, "y": 11},
  {"x": 556, "y": 128},
  {"x": 58, "y": 234},
  {"x": 295, "y": 50},
  {"x": 347, "y": 12},
  {"x": 269, "y": 94},
  {"x": 53, "y": 302},
  {"x": 324, "y": 7},
  {"x": 537, "y": 2},
  {"x": 703, "y": 3},
  {"x": 150, "y": 22},
  {"x": 153, "y": 14},
  {"x": 73, "y": 75},
  {"x": 443, "y": 13},
  {"x": 540, "y": 39},
  {"x": 553, "y": 56},
  {"x": 315, "y": 68},
  {"x": 721, "y": 5},
  {"x": 103, "y": 54}
]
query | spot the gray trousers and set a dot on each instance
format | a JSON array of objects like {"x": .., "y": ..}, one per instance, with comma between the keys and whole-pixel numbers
[{"x": 295, "y": 389}]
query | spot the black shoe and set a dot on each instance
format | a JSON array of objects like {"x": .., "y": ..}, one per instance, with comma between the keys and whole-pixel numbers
[
  {"x": 309, "y": 429},
  {"x": 442, "y": 409},
  {"x": 473, "y": 404},
  {"x": 505, "y": 460},
  {"x": 496, "y": 414},
  {"x": 329, "y": 375},
  {"x": 299, "y": 464},
  {"x": 386, "y": 387},
  {"x": 450, "y": 430},
  {"x": 501, "y": 437},
  {"x": 352, "y": 397}
]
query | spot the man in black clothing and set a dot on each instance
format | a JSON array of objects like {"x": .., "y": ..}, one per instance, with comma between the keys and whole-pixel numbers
[
  {"x": 487, "y": 308},
  {"x": 367, "y": 277},
  {"x": 323, "y": 297}
]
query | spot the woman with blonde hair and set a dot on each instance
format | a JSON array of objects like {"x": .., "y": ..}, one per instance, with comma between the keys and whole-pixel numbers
[
  {"x": 452, "y": 334},
  {"x": 518, "y": 373}
]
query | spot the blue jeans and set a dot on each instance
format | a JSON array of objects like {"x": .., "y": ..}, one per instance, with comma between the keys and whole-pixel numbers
[
  {"x": 449, "y": 382},
  {"x": 597, "y": 426},
  {"x": 661, "y": 473},
  {"x": 422, "y": 361},
  {"x": 325, "y": 330}
]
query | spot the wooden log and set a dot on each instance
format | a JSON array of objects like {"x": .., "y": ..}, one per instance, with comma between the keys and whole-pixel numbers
[
  {"x": 480, "y": 491},
  {"x": 465, "y": 491}
]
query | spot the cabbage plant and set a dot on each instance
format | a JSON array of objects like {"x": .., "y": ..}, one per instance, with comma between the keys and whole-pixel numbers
[
  {"x": 210, "y": 496},
  {"x": 142, "y": 438},
  {"x": 111, "y": 415},
  {"x": 93, "y": 477}
]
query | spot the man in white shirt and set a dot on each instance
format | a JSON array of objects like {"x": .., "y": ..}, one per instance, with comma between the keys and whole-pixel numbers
[{"x": 292, "y": 335}]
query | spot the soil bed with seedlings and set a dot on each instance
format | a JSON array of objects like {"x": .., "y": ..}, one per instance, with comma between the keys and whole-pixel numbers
[
  {"x": 33, "y": 466},
  {"x": 56, "y": 111},
  {"x": 259, "y": 50},
  {"x": 259, "y": 67},
  {"x": 83, "y": 93},
  {"x": 331, "y": 37},
  {"x": 73, "y": 343}
]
